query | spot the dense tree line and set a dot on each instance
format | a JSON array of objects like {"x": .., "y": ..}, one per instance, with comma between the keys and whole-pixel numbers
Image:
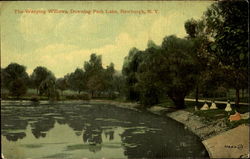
[
  {"x": 169, "y": 69},
  {"x": 210, "y": 60},
  {"x": 92, "y": 78}
]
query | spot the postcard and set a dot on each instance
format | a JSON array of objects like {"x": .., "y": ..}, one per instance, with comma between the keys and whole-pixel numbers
[{"x": 124, "y": 79}]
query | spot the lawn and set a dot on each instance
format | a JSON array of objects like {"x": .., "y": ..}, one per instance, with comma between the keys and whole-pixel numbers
[
  {"x": 220, "y": 113},
  {"x": 211, "y": 115}
]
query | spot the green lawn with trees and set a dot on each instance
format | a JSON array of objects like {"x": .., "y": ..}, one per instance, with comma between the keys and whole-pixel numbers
[{"x": 209, "y": 63}]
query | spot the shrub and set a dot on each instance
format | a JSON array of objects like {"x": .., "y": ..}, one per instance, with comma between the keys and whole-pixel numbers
[{"x": 84, "y": 96}]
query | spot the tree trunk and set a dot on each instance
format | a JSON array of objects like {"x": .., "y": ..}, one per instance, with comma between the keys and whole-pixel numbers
[
  {"x": 179, "y": 102},
  {"x": 237, "y": 97},
  {"x": 92, "y": 94},
  {"x": 242, "y": 93},
  {"x": 79, "y": 91},
  {"x": 197, "y": 95}
]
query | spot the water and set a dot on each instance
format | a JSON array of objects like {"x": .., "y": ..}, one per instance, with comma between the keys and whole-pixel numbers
[{"x": 77, "y": 130}]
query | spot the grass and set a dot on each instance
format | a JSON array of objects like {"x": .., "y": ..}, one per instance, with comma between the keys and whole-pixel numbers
[
  {"x": 234, "y": 124},
  {"x": 32, "y": 95},
  {"x": 209, "y": 116},
  {"x": 77, "y": 147},
  {"x": 230, "y": 95},
  {"x": 220, "y": 113},
  {"x": 166, "y": 102}
]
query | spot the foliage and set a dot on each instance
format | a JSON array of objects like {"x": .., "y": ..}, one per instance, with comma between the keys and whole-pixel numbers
[
  {"x": 15, "y": 79},
  {"x": 150, "y": 84},
  {"x": 48, "y": 87},
  {"x": 119, "y": 84},
  {"x": 76, "y": 80},
  {"x": 39, "y": 75},
  {"x": 109, "y": 79},
  {"x": 129, "y": 70},
  {"x": 234, "y": 124},
  {"x": 181, "y": 72},
  {"x": 61, "y": 84},
  {"x": 13, "y": 72},
  {"x": 83, "y": 96},
  {"x": 169, "y": 69},
  {"x": 94, "y": 73},
  {"x": 99, "y": 80},
  {"x": 209, "y": 73},
  {"x": 227, "y": 24},
  {"x": 18, "y": 87}
]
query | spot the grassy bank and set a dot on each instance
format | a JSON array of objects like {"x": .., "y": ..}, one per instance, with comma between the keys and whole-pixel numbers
[{"x": 208, "y": 116}]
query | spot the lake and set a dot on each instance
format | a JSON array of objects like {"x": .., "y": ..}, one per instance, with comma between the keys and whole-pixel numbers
[{"x": 78, "y": 129}]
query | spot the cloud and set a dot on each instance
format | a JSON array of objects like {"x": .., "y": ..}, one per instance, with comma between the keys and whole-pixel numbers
[
  {"x": 64, "y": 57},
  {"x": 75, "y": 28},
  {"x": 155, "y": 27},
  {"x": 167, "y": 25},
  {"x": 36, "y": 27},
  {"x": 62, "y": 42},
  {"x": 63, "y": 28}
]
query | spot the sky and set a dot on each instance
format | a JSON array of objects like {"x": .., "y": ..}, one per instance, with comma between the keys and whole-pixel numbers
[{"x": 62, "y": 41}]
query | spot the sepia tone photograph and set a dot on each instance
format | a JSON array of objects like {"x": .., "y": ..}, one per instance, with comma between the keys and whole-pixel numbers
[{"x": 124, "y": 79}]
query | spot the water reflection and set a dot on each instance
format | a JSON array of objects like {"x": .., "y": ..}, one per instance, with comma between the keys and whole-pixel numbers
[
  {"x": 41, "y": 126},
  {"x": 102, "y": 129},
  {"x": 15, "y": 136}
]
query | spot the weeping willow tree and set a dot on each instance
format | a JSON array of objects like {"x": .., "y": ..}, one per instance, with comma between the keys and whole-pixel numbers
[
  {"x": 48, "y": 88},
  {"x": 179, "y": 68},
  {"x": 129, "y": 71},
  {"x": 169, "y": 69}
]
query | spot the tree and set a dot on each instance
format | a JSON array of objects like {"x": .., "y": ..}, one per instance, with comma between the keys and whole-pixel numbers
[
  {"x": 167, "y": 69},
  {"x": 17, "y": 87},
  {"x": 180, "y": 68},
  {"x": 227, "y": 24},
  {"x": 109, "y": 79},
  {"x": 62, "y": 84},
  {"x": 129, "y": 70},
  {"x": 150, "y": 82},
  {"x": 48, "y": 87},
  {"x": 15, "y": 78},
  {"x": 94, "y": 65},
  {"x": 119, "y": 84},
  {"x": 3, "y": 77},
  {"x": 94, "y": 74},
  {"x": 39, "y": 75},
  {"x": 77, "y": 80},
  {"x": 207, "y": 65},
  {"x": 95, "y": 84}
]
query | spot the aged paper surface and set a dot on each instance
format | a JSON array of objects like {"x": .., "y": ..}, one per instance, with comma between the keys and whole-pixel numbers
[{"x": 77, "y": 111}]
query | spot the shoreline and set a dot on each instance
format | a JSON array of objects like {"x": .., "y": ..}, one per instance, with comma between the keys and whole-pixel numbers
[
  {"x": 218, "y": 139},
  {"x": 206, "y": 131},
  {"x": 215, "y": 135},
  {"x": 193, "y": 122}
]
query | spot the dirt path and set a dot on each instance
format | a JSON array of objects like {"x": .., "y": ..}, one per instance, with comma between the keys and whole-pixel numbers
[{"x": 219, "y": 102}]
